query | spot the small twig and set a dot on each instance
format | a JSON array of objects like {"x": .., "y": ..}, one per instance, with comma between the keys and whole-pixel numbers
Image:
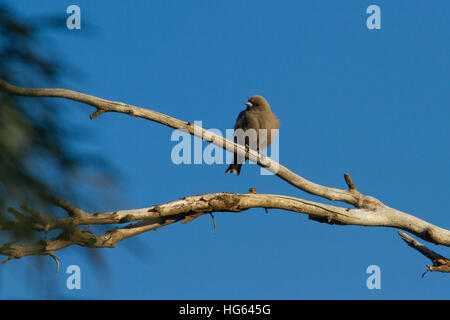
[
  {"x": 349, "y": 182},
  {"x": 19, "y": 216},
  {"x": 71, "y": 210},
  {"x": 96, "y": 113},
  {"x": 7, "y": 259},
  {"x": 214, "y": 221},
  {"x": 40, "y": 218},
  {"x": 51, "y": 254}
]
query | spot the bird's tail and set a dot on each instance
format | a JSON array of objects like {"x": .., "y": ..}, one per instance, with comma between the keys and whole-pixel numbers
[{"x": 234, "y": 168}]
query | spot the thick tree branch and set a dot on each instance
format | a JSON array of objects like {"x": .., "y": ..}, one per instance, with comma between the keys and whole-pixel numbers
[
  {"x": 186, "y": 210},
  {"x": 369, "y": 211}
]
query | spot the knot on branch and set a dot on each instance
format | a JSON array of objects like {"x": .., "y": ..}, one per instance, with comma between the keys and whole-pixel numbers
[
  {"x": 252, "y": 190},
  {"x": 225, "y": 202},
  {"x": 432, "y": 236},
  {"x": 361, "y": 201},
  {"x": 370, "y": 203}
]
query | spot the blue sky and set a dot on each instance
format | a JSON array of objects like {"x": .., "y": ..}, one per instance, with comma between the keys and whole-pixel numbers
[{"x": 373, "y": 103}]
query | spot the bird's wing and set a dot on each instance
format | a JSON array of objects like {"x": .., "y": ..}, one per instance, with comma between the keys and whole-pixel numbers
[
  {"x": 241, "y": 120},
  {"x": 248, "y": 120}
]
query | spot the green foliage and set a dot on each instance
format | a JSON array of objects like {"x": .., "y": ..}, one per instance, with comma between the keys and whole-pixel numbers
[{"x": 35, "y": 157}]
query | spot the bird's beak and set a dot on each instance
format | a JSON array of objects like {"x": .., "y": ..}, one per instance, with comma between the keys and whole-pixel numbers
[{"x": 249, "y": 104}]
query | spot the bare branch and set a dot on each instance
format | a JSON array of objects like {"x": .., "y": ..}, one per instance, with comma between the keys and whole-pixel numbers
[
  {"x": 440, "y": 263},
  {"x": 103, "y": 105},
  {"x": 193, "y": 207},
  {"x": 369, "y": 210}
]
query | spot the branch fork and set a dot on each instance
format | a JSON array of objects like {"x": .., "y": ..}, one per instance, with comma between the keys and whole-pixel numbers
[{"x": 366, "y": 211}]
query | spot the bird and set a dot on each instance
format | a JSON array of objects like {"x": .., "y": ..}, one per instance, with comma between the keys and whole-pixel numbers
[{"x": 256, "y": 116}]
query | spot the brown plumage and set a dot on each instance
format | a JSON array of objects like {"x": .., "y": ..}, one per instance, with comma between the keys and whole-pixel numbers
[{"x": 257, "y": 116}]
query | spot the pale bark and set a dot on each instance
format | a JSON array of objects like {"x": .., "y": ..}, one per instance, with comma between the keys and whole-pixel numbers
[{"x": 368, "y": 210}]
